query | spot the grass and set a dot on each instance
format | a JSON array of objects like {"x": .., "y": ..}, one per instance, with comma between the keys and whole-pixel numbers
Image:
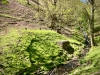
[
  {"x": 9, "y": 16},
  {"x": 91, "y": 63},
  {"x": 96, "y": 29},
  {"x": 31, "y": 50},
  {"x": 5, "y": 2},
  {"x": 24, "y": 2},
  {"x": 97, "y": 40}
]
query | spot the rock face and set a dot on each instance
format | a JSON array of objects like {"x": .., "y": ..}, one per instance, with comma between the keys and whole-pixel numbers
[
  {"x": 64, "y": 44},
  {"x": 70, "y": 50}
]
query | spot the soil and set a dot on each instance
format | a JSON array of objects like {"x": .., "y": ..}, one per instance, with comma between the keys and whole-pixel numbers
[{"x": 24, "y": 17}]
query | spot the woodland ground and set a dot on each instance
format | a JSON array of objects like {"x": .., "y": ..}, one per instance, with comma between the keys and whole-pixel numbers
[{"x": 17, "y": 16}]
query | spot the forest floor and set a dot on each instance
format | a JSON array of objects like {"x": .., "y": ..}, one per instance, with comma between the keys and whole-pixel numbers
[{"x": 16, "y": 15}]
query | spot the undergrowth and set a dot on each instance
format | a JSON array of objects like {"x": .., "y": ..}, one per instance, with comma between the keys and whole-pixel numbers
[
  {"x": 90, "y": 64},
  {"x": 24, "y": 2},
  {"x": 9, "y": 16},
  {"x": 32, "y": 50}
]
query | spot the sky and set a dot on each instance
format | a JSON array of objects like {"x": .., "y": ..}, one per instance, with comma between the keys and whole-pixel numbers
[{"x": 84, "y": 1}]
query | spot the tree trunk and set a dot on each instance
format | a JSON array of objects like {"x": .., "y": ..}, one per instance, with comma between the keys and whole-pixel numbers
[
  {"x": 55, "y": 2},
  {"x": 28, "y": 2},
  {"x": 36, "y": 2},
  {"x": 92, "y": 23},
  {"x": 38, "y": 12},
  {"x": 53, "y": 17}
]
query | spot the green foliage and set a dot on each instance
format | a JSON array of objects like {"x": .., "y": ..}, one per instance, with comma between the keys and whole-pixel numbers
[
  {"x": 78, "y": 35},
  {"x": 84, "y": 19},
  {"x": 96, "y": 29},
  {"x": 57, "y": 15},
  {"x": 97, "y": 40},
  {"x": 90, "y": 64},
  {"x": 9, "y": 16},
  {"x": 45, "y": 51},
  {"x": 24, "y": 2},
  {"x": 5, "y": 2},
  {"x": 13, "y": 58},
  {"x": 31, "y": 50}
]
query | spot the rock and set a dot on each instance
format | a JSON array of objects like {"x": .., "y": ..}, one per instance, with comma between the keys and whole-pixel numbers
[
  {"x": 64, "y": 44},
  {"x": 59, "y": 31},
  {"x": 70, "y": 50}
]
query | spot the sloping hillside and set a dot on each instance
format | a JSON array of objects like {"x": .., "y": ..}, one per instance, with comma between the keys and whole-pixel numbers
[
  {"x": 29, "y": 47},
  {"x": 17, "y": 15}
]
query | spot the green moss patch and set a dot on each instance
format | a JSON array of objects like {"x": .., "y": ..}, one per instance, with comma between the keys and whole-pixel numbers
[
  {"x": 24, "y": 2},
  {"x": 33, "y": 49},
  {"x": 9, "y": 16},
  {"x": 91, "y": 63}
]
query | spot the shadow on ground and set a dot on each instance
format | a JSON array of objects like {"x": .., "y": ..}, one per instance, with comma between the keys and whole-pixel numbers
[{"x": 34, "y": 68}]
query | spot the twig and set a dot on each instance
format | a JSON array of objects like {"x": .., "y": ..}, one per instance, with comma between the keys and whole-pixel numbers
[{"x": 53, "y": 71}]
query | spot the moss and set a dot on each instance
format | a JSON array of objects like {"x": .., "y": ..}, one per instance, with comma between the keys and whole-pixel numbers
[
  {"x": 90, "y": 64},
  {"x": 31, "y": 48},
  {"x": 9, "y": 16},
  {"x": 24, "y": 2},
  {"x": 5, "y": 2}
]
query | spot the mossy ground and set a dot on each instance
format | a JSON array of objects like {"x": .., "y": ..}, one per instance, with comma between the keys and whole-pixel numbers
[
  {"x": 90, "y": 64},
  {"x": 33, "y": 49}
]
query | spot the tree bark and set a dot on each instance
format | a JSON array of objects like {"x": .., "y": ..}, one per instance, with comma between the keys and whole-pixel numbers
[
  {"x": 28, "y": 2},
  {"x": 55, "y": 2},
  {"x": 92, "y": 23}
]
